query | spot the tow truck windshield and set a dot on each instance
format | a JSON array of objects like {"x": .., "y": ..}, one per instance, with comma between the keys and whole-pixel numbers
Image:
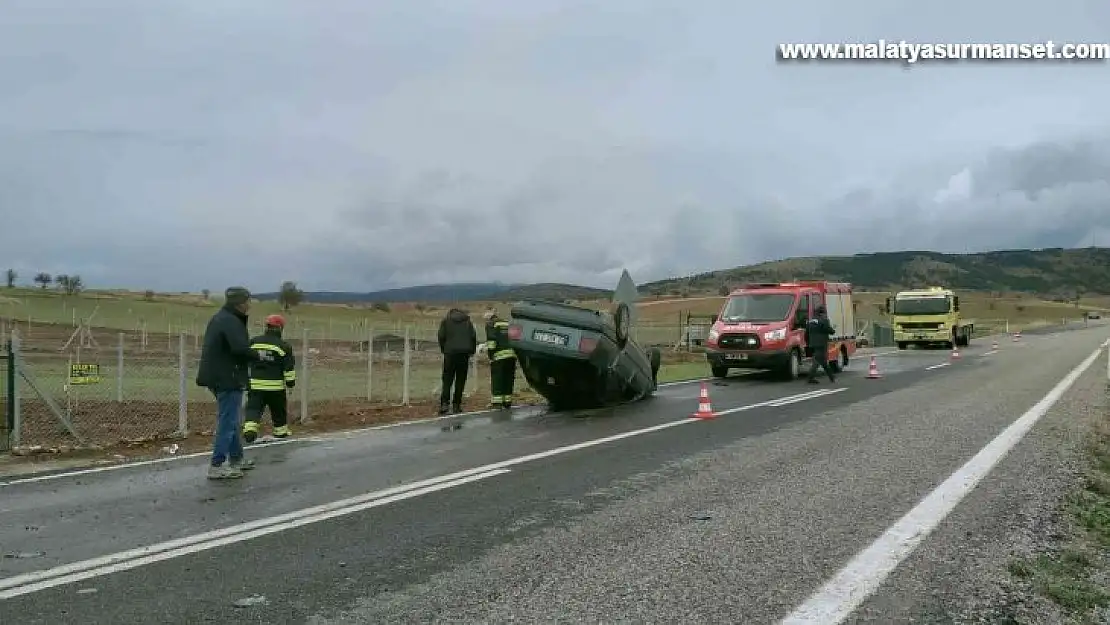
[
  {"x": 922, "y": 306},
  {"x": 757, "y": 307}
]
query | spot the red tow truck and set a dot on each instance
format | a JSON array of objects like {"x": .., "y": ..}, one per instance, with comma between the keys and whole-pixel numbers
[{"x": 762, "y": 326}]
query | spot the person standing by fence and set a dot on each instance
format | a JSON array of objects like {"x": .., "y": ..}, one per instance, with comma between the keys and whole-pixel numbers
[
  {"x": 458, "y": 341},
  {"x": 274, "y": 372},
  {"x": 224, "y": 361}
]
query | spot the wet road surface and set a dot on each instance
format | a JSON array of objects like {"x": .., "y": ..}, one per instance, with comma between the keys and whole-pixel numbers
[{"x": 467, "y": 519}]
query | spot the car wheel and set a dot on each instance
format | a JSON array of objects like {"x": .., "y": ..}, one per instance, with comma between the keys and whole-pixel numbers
[
  {"x": 719, "y": 372},
  {"x": 656, "y": 362},
  {"x": 622, "y": 319}
]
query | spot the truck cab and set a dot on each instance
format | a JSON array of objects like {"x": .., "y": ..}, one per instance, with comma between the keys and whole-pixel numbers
[
  {"x": 762, "y": 326},
  {"x": 928, "y": 317}
]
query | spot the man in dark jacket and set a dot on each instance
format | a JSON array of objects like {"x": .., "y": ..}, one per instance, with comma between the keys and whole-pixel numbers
[
  {"x": 224, "y": 361},
  {"x": 818, "y": 331},
  {"x": 458, "y": 341}
]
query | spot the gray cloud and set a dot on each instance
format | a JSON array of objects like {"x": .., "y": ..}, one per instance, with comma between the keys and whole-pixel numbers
[{"x": 366, "y": 145}]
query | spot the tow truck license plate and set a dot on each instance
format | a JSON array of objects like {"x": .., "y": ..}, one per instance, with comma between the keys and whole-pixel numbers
[
  {"x": 550, "y": 338},
  {"x": 736, "y": 356}
]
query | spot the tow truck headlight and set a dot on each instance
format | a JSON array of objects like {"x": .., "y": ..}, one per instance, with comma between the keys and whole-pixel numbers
[
  {"x": 941, "y": 326},
  {"x": 712, "y": 336},
  {"x": 775, "y": 335}
]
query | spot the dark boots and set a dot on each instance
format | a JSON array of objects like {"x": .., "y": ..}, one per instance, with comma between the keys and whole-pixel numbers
[{"x": 453, "y": 408}]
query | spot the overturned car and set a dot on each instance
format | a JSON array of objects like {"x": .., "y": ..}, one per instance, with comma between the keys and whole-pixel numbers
[{"x": 578, "y": 358}]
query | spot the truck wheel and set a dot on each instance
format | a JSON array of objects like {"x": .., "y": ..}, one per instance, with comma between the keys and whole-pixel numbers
[
  {"x": 793, "y": 367},
  {"x": 843, "y": 357},
  {"x": 901, "y": 345},
  {"x": 719, "y": 372}
]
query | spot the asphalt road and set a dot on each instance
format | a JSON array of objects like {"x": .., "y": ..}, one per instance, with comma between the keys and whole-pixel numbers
[{"x": 635, "y": 514}]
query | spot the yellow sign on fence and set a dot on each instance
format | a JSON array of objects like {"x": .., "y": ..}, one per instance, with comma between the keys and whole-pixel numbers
[{"x": 84, "y": 374}]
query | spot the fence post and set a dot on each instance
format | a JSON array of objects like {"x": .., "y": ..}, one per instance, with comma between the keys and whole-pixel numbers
[
  {"x": 182, "y": 389},
  {"x": 369, "y": 363},
  {"x": 15, "y": 418},
  {"x": 303, "y": 381},
  {"x": 119, "y": 370},
  {"x": 1108, "y": 363},
  {"x": 405, "y": 371}
]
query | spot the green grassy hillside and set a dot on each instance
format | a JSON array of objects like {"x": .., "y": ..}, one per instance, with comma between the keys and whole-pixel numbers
[{"x": 1059, "y": 274}]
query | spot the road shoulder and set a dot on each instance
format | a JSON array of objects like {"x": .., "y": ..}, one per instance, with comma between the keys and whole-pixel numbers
[{"x": 1015, "y": 551}]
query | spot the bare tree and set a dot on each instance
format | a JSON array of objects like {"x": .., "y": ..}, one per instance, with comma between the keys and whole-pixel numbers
[
  {"x": 43, "y": 279},
  {"x": 11, "y": 276},
  {"x": 290, "y": 295},
  {"x": 70, "y": 285},
  {"x": 205, "y": 293}
]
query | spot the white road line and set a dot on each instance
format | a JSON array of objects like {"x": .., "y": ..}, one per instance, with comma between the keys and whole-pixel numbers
[
  {"x": 814, "y": 395},
  {"x": 39, "y": 580},
  {"x": 937, "y": 366},
  {"x": 328, "y": 436},
  {"x": 78, "y": 571},
  {"x": 782, "y": 401},
  {"x": 840, "y": 596}
]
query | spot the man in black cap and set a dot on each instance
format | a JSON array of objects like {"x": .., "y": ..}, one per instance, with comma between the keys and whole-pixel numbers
[
  {"x": 223, "y": 370},
  {"x": 818, "y": 331}
]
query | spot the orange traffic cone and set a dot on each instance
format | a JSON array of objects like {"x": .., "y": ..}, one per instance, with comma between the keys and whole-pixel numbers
[
  {"x": 955, "y": 353},
  {"x": 1017, "y": 336},
  {"x": 873, "y": 370},
  {"x": 705, "y": 409},
  {"x": 994, "y": 344}
]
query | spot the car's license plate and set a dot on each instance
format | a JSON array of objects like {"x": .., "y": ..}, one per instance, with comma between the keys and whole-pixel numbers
[
  {"x": 551, "y": 338},
  {"x": 736, "y": 356}
]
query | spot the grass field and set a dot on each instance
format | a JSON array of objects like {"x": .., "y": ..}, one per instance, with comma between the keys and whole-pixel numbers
[
  {"x": 174, "y": 314},
  {"x": 143, "y": 402}
]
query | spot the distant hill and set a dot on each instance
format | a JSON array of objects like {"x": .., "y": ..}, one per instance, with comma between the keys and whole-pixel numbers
[
  {"x": 1053, "y": 273},
  {"x": 463, "y": 292}
]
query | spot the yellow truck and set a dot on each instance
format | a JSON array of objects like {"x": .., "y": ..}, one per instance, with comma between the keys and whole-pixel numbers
[{"x": 928, "y": 316}]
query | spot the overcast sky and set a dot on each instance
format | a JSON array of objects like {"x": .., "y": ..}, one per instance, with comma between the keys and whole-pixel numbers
[{"x": 355, "y": 144}]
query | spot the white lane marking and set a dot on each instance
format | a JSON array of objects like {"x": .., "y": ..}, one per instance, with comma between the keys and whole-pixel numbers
[
  {"x": 937, "y": 366},
  {"x": 813, "y": 395},
  {"x": 840, "y": 596},
  {"x": 96, "y": 567},
  {"x": 200, "y": 454},
  {"x": 781, "y": 401},
  {"x": 122, "y": 561}
]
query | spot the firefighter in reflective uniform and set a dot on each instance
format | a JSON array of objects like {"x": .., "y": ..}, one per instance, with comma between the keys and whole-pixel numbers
[
  {"x": 502, "y": 361},
  {"x": 270, "y": 377}
]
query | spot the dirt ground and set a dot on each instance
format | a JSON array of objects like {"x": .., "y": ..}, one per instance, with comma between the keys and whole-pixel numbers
[{"x": 137, "y": 424}]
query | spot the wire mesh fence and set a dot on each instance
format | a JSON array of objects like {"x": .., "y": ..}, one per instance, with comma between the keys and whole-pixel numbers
[{"x": 97, "y": 387}]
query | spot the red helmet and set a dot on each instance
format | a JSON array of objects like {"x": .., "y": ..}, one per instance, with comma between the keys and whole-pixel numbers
[{"x": 275, "y": 321}]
